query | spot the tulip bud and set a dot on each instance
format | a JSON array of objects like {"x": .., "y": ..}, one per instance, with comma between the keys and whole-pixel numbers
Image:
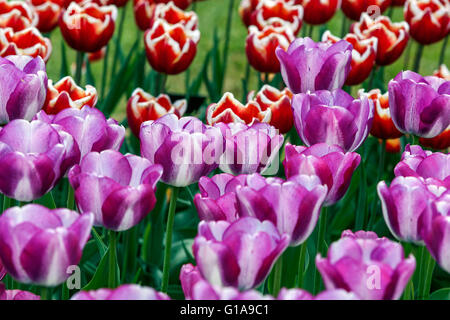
[
  {"x": 353, "y": 9},
  {"x": 17, "y": 15},
  {"x": 48, "y": 13},
  {"x": 278, "y": 13},
  {"x": 123, "y": 292},
  {"x": 319, "y": 12},
  {"x": 27, "y": 42},
  {"x": 16, "y": 294}
]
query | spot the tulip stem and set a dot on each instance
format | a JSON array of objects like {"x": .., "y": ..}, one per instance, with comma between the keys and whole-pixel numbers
[
  {"x": 301, "y": 264},
  {"x": 79, "y": 67},
  {"x": 118, "y": 40},
  {"x": 105, "y": 71},
  {"x": 45, "y": 293},
  {"x": 71, "y": 198},
  {"x": 112, "y": 275},
  {"x": 6, "y": 202},
  {"x": 311, "y": 31},
  {"x": 381, "y": 161},
  {"x": 442, "y": 54},
  {"x": 277, "y": 276},
  {"x": 344, "y": 27},
  {"x": 418, "y": 57},
  {"x": 227, "y": 41},
  {"x": 168, "y": 242},
  {"x": 426, "y": 269},
  {"x": 407, "y": 54},
  {"x": 320, "y": 244}
]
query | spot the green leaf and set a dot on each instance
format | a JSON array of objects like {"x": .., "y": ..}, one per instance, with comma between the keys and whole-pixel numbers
[
  {"x": 46, "y": 200},
  {"x": 64, "y": 71},
  {"x": 100, "y": 278},
  {"x": 90, "y": 79},
  {"x": 441, "y": 294}
]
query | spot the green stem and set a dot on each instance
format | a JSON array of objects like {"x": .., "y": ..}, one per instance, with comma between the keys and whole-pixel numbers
[
  {"x": 442, "y": 54},
  {"x": 407, "y": 54},
  {"x": 7, "y": 202},
  {"x": 361, "y": 213},
  {"x": 45, "y": 293},
  {"x": 227, "y": 40},
  {"x": 418, "y": 57},
  {"x": 79, "y": 67},
  {"x": 71, "y": 198},
  {"x": 112, "y": 275},
  {"x": 118, "y": 40},
  {"x": 426, "y": 268},
  {"x": 168, "y": 245},
  {"x": 105, "y": 72},
  {"x": 344, "y": 27},
  {"x": 64, "y": 291},
  {"x": 301, "y": 264},
  {"x": 311, "y": 31},
  {"x": 277, "y": 276},
  {"x": 381, "y": 161},
  {"x": 320, "y": 245}
]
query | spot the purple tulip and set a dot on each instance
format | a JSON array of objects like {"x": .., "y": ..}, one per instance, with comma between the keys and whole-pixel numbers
[
  {"x": 331, "y": 164},
  {"x": 373, "y": 268},
  {"x": 197, "y": 288},
  {"x": 2, "y": 271},
  {"x": 310, "y": 66},
  {"x": 16, "y": 294},
  {"x": 299, "y": 294},
  {"x": 406, "y": 205},
  {"x": 37, "y": 244},
  {"x": 186, "y": 148},
  {"x": 437, "y": 235},
  {"x": 419, "y": 105},
  {"x": 124, "y": 292},
  {"x": 292, "y": 207},
  {"x": 23, "y": 87},
  {"x": 417, "y": 162},
  {"x": 240, "y": 254},
  {"x": 217, "y": 197},
  {"x": 250, "y": 149},
  {"x": 33, "y": 158},
  {"x": 89, "y": 127},
  {"x": 333, "y": 118},
  {"x": 118, "y": 189}
]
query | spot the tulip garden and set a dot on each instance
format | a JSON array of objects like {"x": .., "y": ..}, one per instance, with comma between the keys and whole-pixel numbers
[{"x": 224, "y": 150}]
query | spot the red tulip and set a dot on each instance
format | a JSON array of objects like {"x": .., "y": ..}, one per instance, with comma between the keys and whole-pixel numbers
[
  {"x": 17, "y": 15},
  {"x": 442, "y": 72},
  {"x": 393, "y": 145},
  {"x": 392, "y": 37},
  {"x": 48, "y": 12},
  {"x": 28, "y": 42},
  {"x": 182, "y": 4},
  {"x": 97, "y": 55},
  {"x": 261, "y": 45},
  {"x": 278, "y": 13},
  {"x": 117, "y": 3},
  {"x": 382, "y": 127},
  {"x": 229, "y": 109},
  {"x": 88, "y": 27},
  {"x": 170, "y": 48},
  {"x": 398, "y": 3},
  {"x": 279, "y": 103},
  {"x": 353, "y": 9},
  {"x": 142, "y": 107},
  {"x": 67, "y": 94},
  {"x": 363, "y": 56},
  {"x": 429, "y": 20},
  {"x": 143, "y": 13},
  {"x": 173, "y": 15},
  {"x": 319, "y": 11},
  {"x": 246, "y": 8}
]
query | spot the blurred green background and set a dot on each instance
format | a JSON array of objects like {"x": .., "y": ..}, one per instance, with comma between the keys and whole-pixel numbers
[{"x": 212, "y": 17}]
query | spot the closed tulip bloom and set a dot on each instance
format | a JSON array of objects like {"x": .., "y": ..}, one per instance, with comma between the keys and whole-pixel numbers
[
  {"x": 419, "y": 105},
  {"x": 118, "y": 189},
  {"x": 170, "y": 48},
  {"x": 16, "y": 294},
  {"x": 417, "y": 162},
  {"x": 195, "y": 287},
  {"x": 88, "y": 27},
  {"x": 123, "y": 292},
  {"x": 429, "y": 20},
  {"x": 363, "y": 56},
  {"x": 310, "y": 66},
  {"x": 398, "y": 3},
  {"x": 279, "y": 103},
  {"x": 292, "y": 207},
  {"x": 240, "y": 254},
  {"x": 142, "y": 106},
  {"x": 333, "y": 118},
  {"x": 217, "y": 197},
  {"x": 353, "y": 9},
  {"x": 172, "y": 15},
  {"x": 249, "y": 149},
  {"x": 17, "y": 15},
  {"x": 442, "y": 72},
  {"x": 66, "y": 94},
  {"x": 405, "y": 204},
  {"x": 182, "y": 4},
  {"x": 231, "y": 110},
  {"x": 48, "y": 13},
  {"x": 261, "y": 45},
  {"x": 28, "y": 42},
  {"x": 117, "y": 3},
  {"x": 299, "y": 294},
  {"x": 89, "y": 128},
  {"x": 382, "y": 127},
  {"x": 143, "y": 13},
  {"x": 331, "y": 164},
  {"x": 372, "y": 268},
  {"x": 437, "y": 237},
  {"x": 186, "y": 148},
  {"x": 278, "y": 13},
  {"x": 392, "y": 37},
  {"x": 318, "y": 11},
  {"x": 37, "y": 244},
  {"x": 246, "y": 8},
  {"x": 23, "y": 89},
  {"x": 33, "y": 158}
]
